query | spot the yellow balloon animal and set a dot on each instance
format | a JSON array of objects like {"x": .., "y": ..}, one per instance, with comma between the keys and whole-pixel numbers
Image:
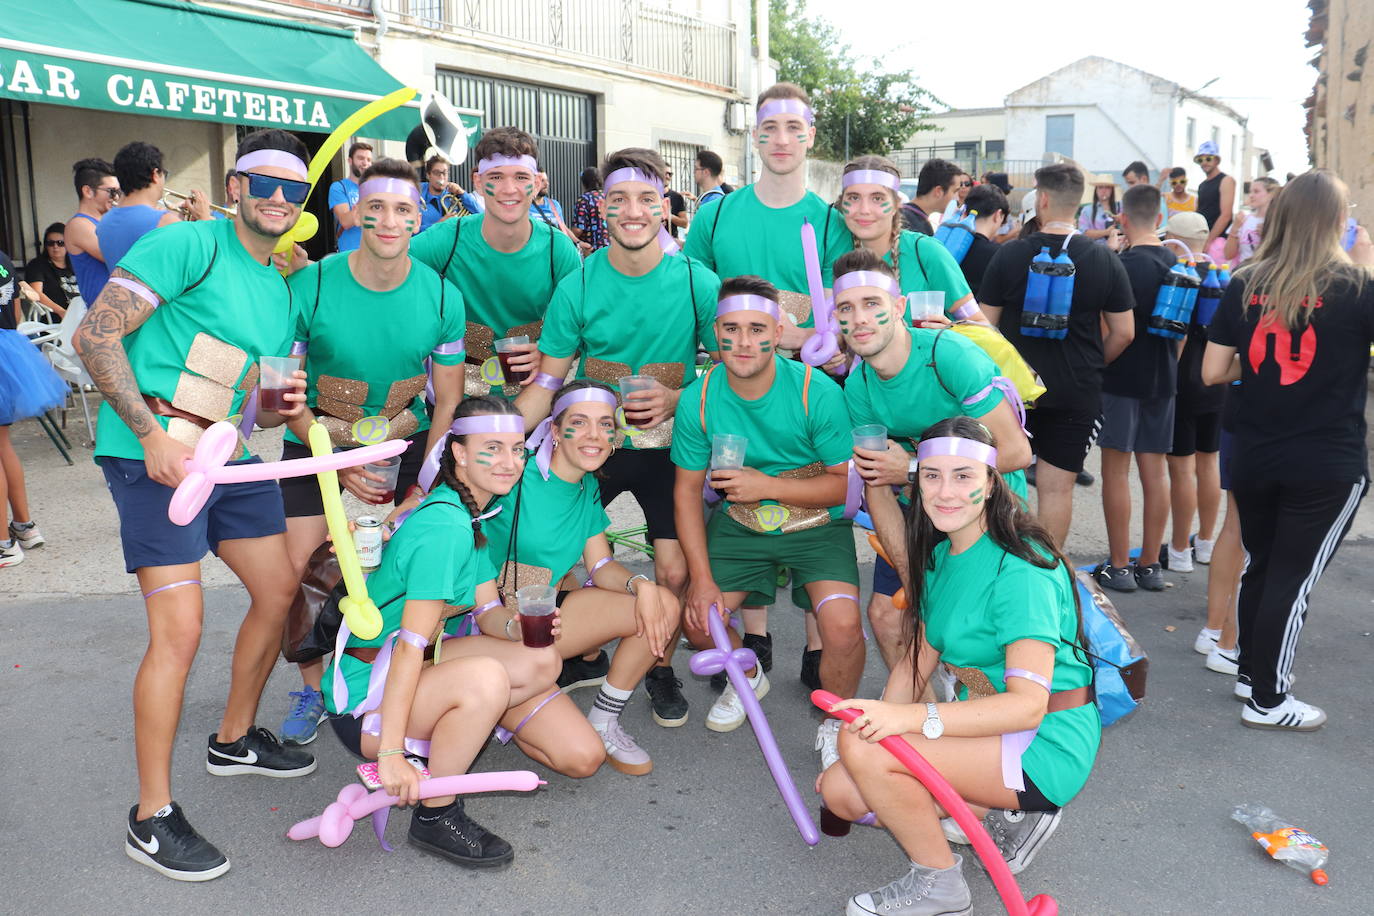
[
  {"x": 307, "y": 225},
  {"x": 359, "y": 612}
]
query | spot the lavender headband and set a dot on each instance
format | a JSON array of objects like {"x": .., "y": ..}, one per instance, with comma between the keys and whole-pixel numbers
[
  {"x": 542, "y": 440},
  {"x": 273, "y": 157},
  {"x": 774, "y": 107},
  {"x": 745, "y": 302},
  {"x": 467, "y": 426},
  {"x": 494, "y": 162},
  {"x": 866, "y": 278},
  {"x": 953, "y": 445},
  {"x": 871, "y": 176},
  {"x": 390, "y": 186},
  {"x": 633, "y": 174}
]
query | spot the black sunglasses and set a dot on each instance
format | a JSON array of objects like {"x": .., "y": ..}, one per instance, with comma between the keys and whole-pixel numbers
[
  {"x": 55, "y": 243},
  {"x": 264, "y": 186}
]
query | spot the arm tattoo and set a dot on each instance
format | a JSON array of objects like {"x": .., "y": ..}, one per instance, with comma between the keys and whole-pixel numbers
[{"x": 99, "y": 341}]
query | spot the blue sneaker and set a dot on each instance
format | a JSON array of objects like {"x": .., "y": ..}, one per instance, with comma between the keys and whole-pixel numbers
[{"x": 301, "y": 723}]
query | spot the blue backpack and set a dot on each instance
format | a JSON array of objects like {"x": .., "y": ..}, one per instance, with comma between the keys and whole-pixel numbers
[{"x": 1119, "y": 663}]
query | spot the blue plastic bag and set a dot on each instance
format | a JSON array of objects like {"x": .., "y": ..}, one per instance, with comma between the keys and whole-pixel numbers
[{"x": 1113, "y": 652}]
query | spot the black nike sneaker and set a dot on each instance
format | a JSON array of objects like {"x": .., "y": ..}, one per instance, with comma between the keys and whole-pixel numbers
[
  {"x": 169, "y": 845},
  {"x": 457, "y": 837},
  {"x": 259, "y": 752}
]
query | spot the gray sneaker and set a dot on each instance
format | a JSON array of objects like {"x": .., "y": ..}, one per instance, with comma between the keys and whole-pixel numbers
[
  {"x": 1117, "y": 578},
  {"x": 1150, "y": 578},
  {"x": 920, "y": 892},
  {"x": 27, "y": 534},
  {"x": 1019, "y": 835}
]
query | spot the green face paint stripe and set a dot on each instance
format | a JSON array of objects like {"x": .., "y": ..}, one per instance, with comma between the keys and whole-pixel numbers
[
  {"x": 410, "y": 225},
  {"x": 369, "y": 222},
  {"x": 765, "y": 348},
  {"x": 726, "y": 346},
  {"x": 843, "y": 323},
  {"x": 976, "y": 496},
  {"x": 489, "y": 188},
  {"x": 529, "y": 189},
  {"x": 884, "y": 319},
  {"x": 763, "y": 138},
  {"x": 886, "y": 206}
]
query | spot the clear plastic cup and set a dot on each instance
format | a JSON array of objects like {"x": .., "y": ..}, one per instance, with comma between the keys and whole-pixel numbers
[
  {"x": 872, "y": 437},
  {"x": 925, "y": 305},
  {"x": 275, "y": 381},
  {"x": 536, "y": 604},
  {"x": 632, "y": 383},
  {"x": 389, "y": 469},
  {"x": 727, "y": 452},
  {"x": 506, "y": 348}
]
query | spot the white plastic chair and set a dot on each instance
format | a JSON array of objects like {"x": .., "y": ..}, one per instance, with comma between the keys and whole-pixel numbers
[{"x": 55, "y": 341}]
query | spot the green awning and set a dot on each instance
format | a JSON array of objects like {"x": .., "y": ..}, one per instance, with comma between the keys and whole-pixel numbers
[{"x": 174, "y": 59}]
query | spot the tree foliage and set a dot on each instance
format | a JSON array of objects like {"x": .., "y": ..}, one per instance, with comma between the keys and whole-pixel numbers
[{"x": 882, "y": 110}]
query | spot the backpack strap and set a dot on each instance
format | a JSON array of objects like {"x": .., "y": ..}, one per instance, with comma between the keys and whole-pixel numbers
[
  {"x": 457, "y": 231},
  {"x": 916, "y": 248},
  {"x": 933, "y": 364},
  {"x": 553, "y": 274},
  {"x": 214, "y": 255},
  {"x": 806, "y": 392}
]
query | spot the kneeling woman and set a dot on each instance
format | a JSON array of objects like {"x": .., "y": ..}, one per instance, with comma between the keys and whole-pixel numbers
[
  {"x": 386, "y": 698},
  {"x": 553, "y": 519},
  {"x": 994, "y": 601}
]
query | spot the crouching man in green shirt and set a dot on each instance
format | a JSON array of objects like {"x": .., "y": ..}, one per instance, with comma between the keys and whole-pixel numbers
[{"x": 782, "y": 504}]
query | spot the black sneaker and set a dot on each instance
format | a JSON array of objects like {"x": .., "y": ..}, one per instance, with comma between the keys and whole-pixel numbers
[
  {"x": 459, "y": 838},
  {"x": 1117, "y": 578},
  {"x": 1150, "y": 578},
  {"x": 665, "y": 696},
  {"x": 762, "y": 647},
  {"x": 1084, "y": 479},
  {"x": 1030, "y": 476},
  {"x": 170, "y": 846},
  {"x": 811, "y": 669},
  {"x": 578, "y": 672},
  {"x": 259, "y": 752}
]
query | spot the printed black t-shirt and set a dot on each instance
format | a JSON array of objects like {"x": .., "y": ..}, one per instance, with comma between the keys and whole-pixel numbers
[
  {"x": 1071, "y": 369},
  {"x": 1147, "y": 368},
  {"x": 1299, "y": 410}
]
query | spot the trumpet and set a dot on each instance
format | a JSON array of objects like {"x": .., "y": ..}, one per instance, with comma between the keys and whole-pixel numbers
[
  {"x": 170, "y": 200},
  {"x": 452, "y": 206}
]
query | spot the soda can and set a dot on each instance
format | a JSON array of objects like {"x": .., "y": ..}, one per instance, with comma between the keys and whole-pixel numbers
[{"x": 367, "y": 540}]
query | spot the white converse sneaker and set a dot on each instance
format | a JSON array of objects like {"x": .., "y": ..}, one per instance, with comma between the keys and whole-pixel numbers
[
  {"x": 621, "y": 750},
  {"x": 953, "y": 832},
  {"x": 827, "y": 742},
  {"x": 921, "y": 891},
  {"x": 1290, "y": 715},
  {"x": 728, "y": 713},
  {"x": 1202, "y": 550},
  {"x": 1224, "y": 661},
  {"x": 1206, "y": 641},
  {"x": 1019, "y": 835},
  {"x": 1180, "y": 560}
]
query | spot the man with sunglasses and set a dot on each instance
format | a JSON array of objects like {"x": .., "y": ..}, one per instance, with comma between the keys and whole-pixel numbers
[
  {"x": 97, "y": 191},
  {"x": 142, "y": 176},
  {"x": 173, "y": 342},
  {"x": 1179, "y": 199},
  {"x": 1216, "y": 197}
]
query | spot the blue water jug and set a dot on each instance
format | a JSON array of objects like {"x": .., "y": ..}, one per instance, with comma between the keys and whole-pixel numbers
[
  {"x": 1037, "y": 299},
  {"x": 1172, "y": 290},
  {"x": 959, "y": 238},
  {"x": 1184, "y": 308},
  {"x": 1061, "y": 295},
  {"x": 1209, "y": 297},
  {"x": 1225, "y": 276}
]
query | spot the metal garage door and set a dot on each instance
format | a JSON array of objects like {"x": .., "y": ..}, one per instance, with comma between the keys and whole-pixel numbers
[{"x": 562, "y": 123}]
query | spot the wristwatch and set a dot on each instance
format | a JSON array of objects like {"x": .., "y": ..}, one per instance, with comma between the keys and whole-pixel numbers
[
  {"x": 932, "y": 728},
  {"x": 912, "y": 463}
]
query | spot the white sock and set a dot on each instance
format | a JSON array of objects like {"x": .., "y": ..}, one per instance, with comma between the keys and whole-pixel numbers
[{"x": 609, "y": 702}]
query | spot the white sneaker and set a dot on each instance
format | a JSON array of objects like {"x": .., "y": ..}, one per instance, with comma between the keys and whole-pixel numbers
[
  {"x": 1180, "y": 560},
  {"x": 953, "y": 832},
  {"x": 1224, "y": 661},
  {"x": 27, "y": 534},
  {"x": 827, "y": 742},
  {"x": 728, "y": 713},
  {"x": 1290, "y": 715},
  {"x": 1242, "y": 691},
  {"x": 11, "y": 554},
  {"x": 1206, "y": 641},
  {"x": 1202, "y": 550}
]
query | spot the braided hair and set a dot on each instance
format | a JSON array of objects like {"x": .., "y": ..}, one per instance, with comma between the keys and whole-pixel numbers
[
  {"x": 883, "y": 164},
  {"x": 487, "y": 405}
]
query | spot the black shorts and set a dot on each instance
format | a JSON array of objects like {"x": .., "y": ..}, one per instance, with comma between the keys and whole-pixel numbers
[
  {"x": 647, "y": 475},
  {"x": 301, "y": 495},
  {"x": 1196, "y": 432},
  {"x": 1032, "y": 799},
  {"x": 1062, "y": 437},
  {"x": 350, "y": 733}
]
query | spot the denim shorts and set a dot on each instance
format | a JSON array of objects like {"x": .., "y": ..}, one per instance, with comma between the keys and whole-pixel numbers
[{"x": 236, "y": 510}]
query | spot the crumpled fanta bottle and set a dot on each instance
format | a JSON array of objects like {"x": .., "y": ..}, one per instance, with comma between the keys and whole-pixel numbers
[{"x": 1290, "y": 845}]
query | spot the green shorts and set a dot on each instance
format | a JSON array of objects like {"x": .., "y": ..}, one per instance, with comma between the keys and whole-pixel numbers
[{"x": 746, "y": 561}]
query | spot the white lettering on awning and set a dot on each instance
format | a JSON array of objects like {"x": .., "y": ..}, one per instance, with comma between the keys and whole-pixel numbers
[
  {"x": 205, "y": 100},
  {"x": 62, "y": 82},
  {"x": 147, "y": 96},
  {"x": 176, "y": 94},
  {"x": 127, "y": 82},
  {"x": 22, "y": 80}
]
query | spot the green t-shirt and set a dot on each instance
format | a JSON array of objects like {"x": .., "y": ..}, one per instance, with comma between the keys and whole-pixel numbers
[
  {"x": 925, "y": 265},
  {"x": 784, "y": 434},
  {"x": 913, "y": 400},
  {"x": 751, "y": 238},
  {"x": 556, "y": 519},
  {"x": 600, "y": 313},
  {"x": 379, "y": 338},
  {"x": 500, "y": 290},
  {"x": 199, "y": 344},
  {"x": 430, "y": 558},
  {"x": 983, "y": 599}
]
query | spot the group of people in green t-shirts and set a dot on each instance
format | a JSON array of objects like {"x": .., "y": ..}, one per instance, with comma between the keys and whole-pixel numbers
[{"x": 746, "y": 470}]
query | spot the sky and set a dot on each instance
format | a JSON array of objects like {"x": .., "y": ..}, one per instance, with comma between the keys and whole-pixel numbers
[{"x": 1260, "y": 57}]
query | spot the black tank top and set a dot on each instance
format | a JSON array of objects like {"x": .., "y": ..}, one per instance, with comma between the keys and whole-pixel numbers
[{"x": 1209, "y": 198}]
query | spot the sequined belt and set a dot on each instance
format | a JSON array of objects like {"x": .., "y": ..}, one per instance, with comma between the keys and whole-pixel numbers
[{"x": 764, "y": 519}]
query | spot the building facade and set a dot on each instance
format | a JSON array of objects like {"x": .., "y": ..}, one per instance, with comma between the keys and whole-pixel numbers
[{"x": 1340, "y": 112}]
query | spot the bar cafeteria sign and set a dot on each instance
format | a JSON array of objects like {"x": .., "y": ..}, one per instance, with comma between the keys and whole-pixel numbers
[{"x": 111, "y": 84}]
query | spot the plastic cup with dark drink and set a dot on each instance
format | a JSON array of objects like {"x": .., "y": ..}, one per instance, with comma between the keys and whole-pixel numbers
[
  {"x": 926, "y": 306},
  {"x": 832, "y": 824},
  {"x": 389, "y": 469},
  {"x": 630, "y": 384},
  {"x": 727, "y": 454},
  {"x": 507, "y": 348},
  {"x": 536, "y": 615},
  {"x": 275, "y": 381}
]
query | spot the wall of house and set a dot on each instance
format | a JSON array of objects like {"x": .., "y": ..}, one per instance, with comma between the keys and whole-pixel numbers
[{"x": 1343, "y": 134}]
